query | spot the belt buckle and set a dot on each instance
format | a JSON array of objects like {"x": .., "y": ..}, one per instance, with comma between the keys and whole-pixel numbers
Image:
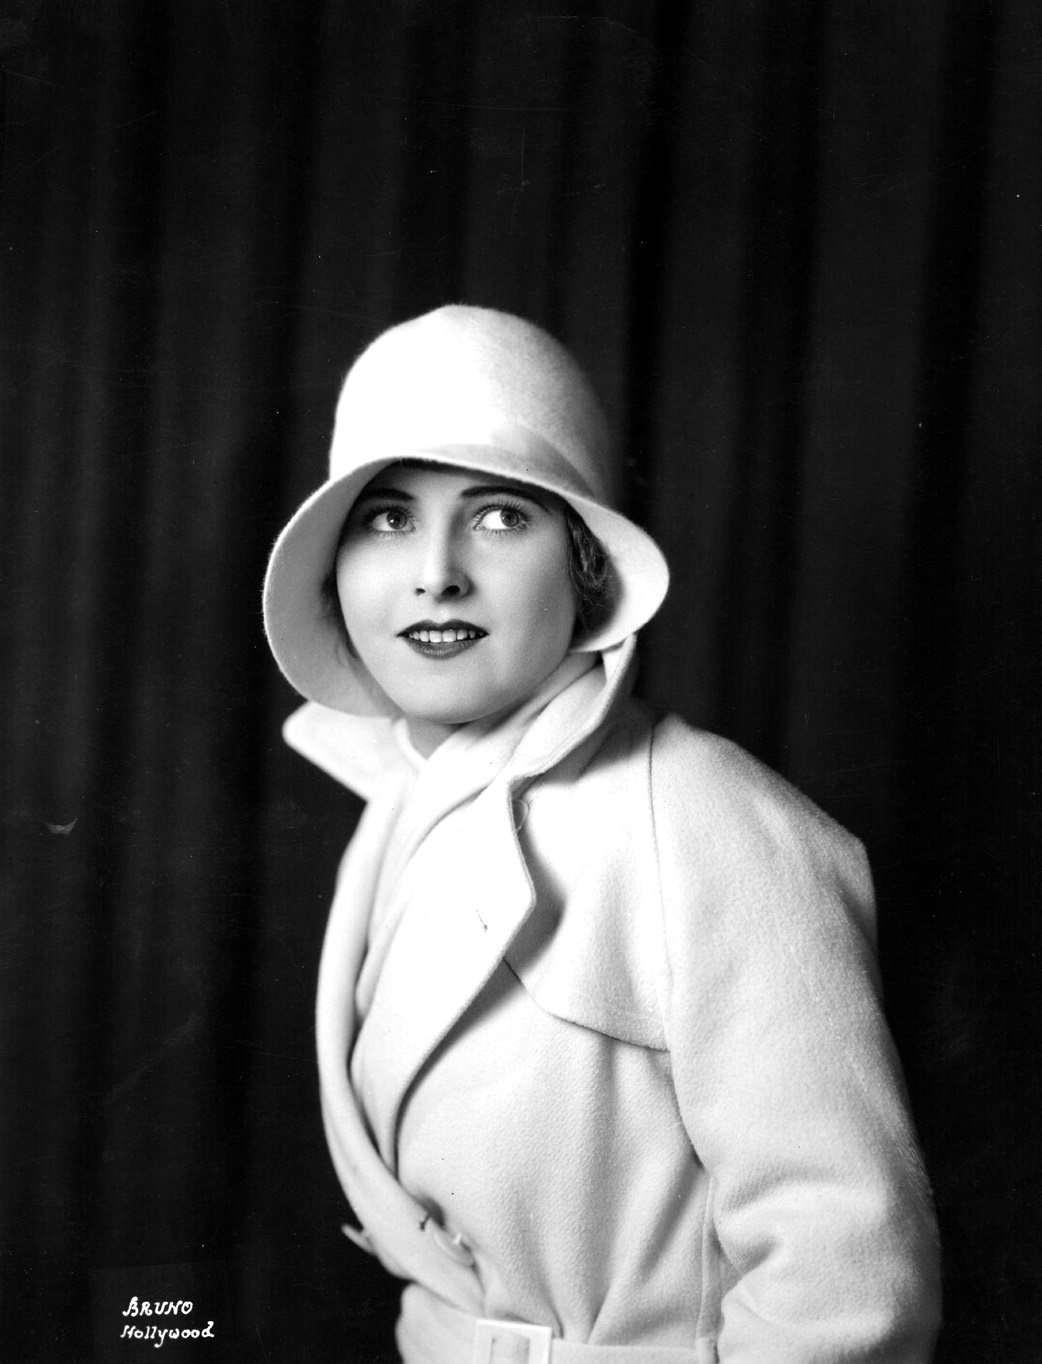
[{"x": 510, "y": 1342}]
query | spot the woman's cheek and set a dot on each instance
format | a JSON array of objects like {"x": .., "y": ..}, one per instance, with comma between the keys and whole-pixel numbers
[
  {"x": 363, "y": 584},
  {"x": 557, "y": 599}
]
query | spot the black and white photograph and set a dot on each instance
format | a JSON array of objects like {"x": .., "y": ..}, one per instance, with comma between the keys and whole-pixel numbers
[{"x": 520, "y": 583}]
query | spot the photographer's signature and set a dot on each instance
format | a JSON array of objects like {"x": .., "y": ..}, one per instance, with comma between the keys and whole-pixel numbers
[{"x": 159, "y": 1334}]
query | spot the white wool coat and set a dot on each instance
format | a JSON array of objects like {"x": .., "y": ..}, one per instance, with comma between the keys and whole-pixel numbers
[{"x": 612, "y": 1059}]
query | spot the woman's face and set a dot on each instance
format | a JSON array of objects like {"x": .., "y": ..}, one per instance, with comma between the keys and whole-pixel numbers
[{"x": 455, "y": 592}]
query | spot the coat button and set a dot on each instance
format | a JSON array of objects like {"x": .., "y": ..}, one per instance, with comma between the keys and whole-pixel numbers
[{"x": 453, "y": 1246}]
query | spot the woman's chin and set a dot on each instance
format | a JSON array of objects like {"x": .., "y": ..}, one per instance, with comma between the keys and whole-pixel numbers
[{"x": 447, "y": 706}]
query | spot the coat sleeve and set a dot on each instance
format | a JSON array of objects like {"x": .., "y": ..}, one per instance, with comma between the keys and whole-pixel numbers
[{"x": 785, "y": 1073}]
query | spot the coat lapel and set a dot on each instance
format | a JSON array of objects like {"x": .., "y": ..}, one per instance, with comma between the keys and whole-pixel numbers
[
  {"x": 443, "y": 862},
  {"x": 461, "y": 889},
  {"x": 387, "y": 1211},
  {"x": 476, "y": 895}
]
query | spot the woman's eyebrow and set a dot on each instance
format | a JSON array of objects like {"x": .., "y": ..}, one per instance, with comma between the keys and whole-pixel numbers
[
  {"x": 510, "y": 489},
  {"x": 383, "y": 492}
]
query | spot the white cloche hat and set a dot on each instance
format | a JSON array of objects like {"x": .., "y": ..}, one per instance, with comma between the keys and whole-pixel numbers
[{"x": 472, "y": 388}]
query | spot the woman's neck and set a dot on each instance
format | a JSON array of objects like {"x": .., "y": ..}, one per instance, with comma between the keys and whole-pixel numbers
[{"x": 427, "y": 735}]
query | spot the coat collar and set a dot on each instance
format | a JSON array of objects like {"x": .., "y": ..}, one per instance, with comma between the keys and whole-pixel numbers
[
  {"x": 453, "y": 948},
  {"x": 361, "y": 751}
]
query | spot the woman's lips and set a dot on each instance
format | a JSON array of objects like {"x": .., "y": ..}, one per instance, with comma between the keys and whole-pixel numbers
[{"x": 442, "y": 641}]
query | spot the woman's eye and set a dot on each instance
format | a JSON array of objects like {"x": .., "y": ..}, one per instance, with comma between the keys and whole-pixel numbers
[
  {"x": 388, "y": 520},
  {"x": 502, "y": 518}
]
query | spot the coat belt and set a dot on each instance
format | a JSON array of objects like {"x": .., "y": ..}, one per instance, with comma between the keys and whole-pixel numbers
[{"x": 430, "y": 1331}]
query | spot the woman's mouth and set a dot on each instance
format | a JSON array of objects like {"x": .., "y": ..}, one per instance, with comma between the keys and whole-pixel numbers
[{"x": 442, "y": 641}]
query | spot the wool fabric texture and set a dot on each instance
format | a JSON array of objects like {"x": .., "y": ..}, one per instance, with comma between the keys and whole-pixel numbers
[
  {"x": 469, "y": 388},
  {"x": 612, "y": 1060}
]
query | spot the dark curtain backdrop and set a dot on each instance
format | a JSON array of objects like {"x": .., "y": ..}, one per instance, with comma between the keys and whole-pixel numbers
[{"x": 797, "y": 246}]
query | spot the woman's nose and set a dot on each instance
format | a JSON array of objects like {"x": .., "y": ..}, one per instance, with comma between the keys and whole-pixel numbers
[{"x": 442, "y": 573}]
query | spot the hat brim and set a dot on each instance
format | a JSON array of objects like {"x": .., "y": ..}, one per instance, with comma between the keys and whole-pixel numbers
[{"x": 306, "y": 640}]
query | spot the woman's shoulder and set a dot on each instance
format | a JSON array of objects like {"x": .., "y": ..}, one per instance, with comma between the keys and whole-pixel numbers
[
  {"x": 665, "y": 844},
  {"x": 723, "y": 818},
  {"x": 706, "y": 790},
  {"x": 720, "y": 779},
  {"x": 703, "y": 762},
  {"x": 687, "y": 759}
]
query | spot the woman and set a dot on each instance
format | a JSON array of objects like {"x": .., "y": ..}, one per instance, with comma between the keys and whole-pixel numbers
[{"x": 603, "y": 1067}]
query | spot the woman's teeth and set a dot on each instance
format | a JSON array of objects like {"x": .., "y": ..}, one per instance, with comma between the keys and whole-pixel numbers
[{"x": 443, "y": 636}]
